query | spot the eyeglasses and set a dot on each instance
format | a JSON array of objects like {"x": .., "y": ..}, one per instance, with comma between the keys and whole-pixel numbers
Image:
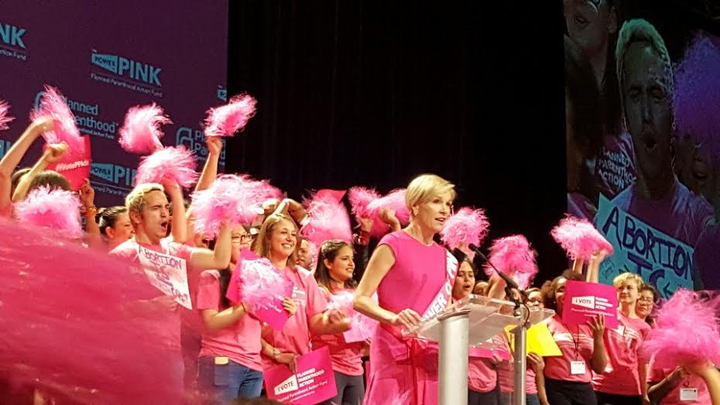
[{"x": 241, "y": 238}]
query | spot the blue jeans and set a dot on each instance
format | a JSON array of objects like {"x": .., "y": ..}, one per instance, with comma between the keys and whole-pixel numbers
[{"x": 228, "y": 381}]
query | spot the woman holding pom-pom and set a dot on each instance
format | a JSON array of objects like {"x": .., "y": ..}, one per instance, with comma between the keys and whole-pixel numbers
[
  {"x": 278, "y": 242},
  {"x": 231, "y": 342},
  {"x": 408, "y": 261},
  {"x": 334, "y": 274},
  {"x": 567, "y": 377}
]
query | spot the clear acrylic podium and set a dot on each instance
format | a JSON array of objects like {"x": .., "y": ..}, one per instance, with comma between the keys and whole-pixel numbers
[{"x": 473, "y": 321}]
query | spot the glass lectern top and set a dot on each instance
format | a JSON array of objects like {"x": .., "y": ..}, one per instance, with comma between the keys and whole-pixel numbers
[{"x": 487, "y": 318}]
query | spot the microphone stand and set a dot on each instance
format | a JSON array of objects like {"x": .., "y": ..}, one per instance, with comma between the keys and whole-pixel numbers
[{"x": 522, "y": 313}]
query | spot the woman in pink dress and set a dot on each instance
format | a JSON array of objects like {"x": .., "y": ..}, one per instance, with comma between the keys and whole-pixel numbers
[{"x": 413, "y": 277}]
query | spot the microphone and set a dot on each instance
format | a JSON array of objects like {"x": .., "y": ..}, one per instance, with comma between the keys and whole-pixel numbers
[{"x": 509, "y": 281}]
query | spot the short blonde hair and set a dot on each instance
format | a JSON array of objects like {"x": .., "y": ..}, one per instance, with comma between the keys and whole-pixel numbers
[
  {"x": 639, "y": 30},
  {"x": 261, "y": 245},
  {"x": 135, "y": 201},
  {"x": 425, "y": 187},
  {"x": 623, "y": 278}
]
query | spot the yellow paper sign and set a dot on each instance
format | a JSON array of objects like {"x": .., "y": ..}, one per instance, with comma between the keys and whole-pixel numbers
[{"x": 539, "y": 341}]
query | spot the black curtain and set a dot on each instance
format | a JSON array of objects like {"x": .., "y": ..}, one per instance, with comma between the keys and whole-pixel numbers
[{"x": 374, "y": 93}]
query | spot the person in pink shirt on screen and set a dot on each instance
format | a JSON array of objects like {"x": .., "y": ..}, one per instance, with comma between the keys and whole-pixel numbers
[
  {"x": 229, "y": 364},
  {"x": 278, "y": 242},
  {"x": 413, "y": 277},
  {"x": 623, "y": 380},
  {"x": 567, "y": 377},
  {"x": 148, "y": 209},
  {"x": 334, "y": 274},
  {"x": 646, "y": 85}
]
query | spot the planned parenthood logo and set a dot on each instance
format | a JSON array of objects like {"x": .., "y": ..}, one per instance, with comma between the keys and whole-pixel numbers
[{"x": 124, "y": 72}]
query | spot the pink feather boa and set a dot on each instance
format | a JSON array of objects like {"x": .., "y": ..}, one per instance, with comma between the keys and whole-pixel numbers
[
  {"x": 687, "y": 331},
  {"x": 4, "y": 118},
  {"x": 172, "y": 163},
  {"x": 228, "y": 119},
  {"x": 513, "y": 256},
  {"x": 56, "y": 209},
  {"x": 141, "y": 131},
  {"x": 232, "y": 198},
  {"x": 328, "y": 220},
  {"x": 52, "y": 104},
  {"x": 579, "y": 238},
  {"x": 465, "y": 227}
]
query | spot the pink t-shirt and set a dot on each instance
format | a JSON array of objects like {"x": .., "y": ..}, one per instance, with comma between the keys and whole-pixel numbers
[
  {"x": 681, "y": 214},
  {"x": 168, "y": 327},
  {"x": 615, "y": 165},
  {"x": 482, "y": 375},
  {"x": 622, "y": 346},
  {"x": 346, "y": 357},
  {"x": 506, "y": 377},
  {"x": 412, "y": 282},
  {"x": 576, "y": 344},
  {"x": 240, "y": 342},
  {"x": 295, "y": 335},
  {"x": 655, "y": 375}
]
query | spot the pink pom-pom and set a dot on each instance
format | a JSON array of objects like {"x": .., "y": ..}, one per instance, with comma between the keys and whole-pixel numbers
[
  {"x": 235, "y": 198},
  {"x": 56, "y": 209},
  {"x": 141, "y": 131},
  {"x": 328, "y": 220},
  {"x": 687, "y": 331},
  {"x": 342, "y": 301},
  {"x": 228, "y": 119},
  {"x": 513, "y": 256},
  {"x": 4, "y": 118},
  {"x": 580, "y": 239},
  {"x": 52, "y": 104},
  {"x": 360, "y": 198},
  {"x": 394, "y": 201},
  {"x": 76, "y": 333},
  {"x": 261, "y": 284},
  {"x": 173, "y": 163},
  {"x": 465, "y": 227}
]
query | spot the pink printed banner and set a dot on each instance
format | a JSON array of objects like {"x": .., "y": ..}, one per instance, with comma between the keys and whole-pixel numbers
[
  {"x": 270, "y": 310},
  {"x": 75, "y": 166},
  {"x": 585, "y": 300},
  {"x": 314, "y": 381}
]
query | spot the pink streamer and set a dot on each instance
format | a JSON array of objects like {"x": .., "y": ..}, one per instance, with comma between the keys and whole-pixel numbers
[
  {"x": 235, "y": 198},
  {"x": 228, "y": 119},
  {"x": 52, "y": 104},
  {"x": 172, "y": 163},
  {"x": 56, "y": 209},
  {"x": 465, "y": 227},
  {"x": 71, "y": 330},
  {"x": 141, "y": 131},
  {"x": 328, "y": 220},
  {"x": 579, "y": 238},
  {"x": 687, "y": 331},
  {"x": 513, "y": 256},
  {"x": 4, "y": 118}
]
